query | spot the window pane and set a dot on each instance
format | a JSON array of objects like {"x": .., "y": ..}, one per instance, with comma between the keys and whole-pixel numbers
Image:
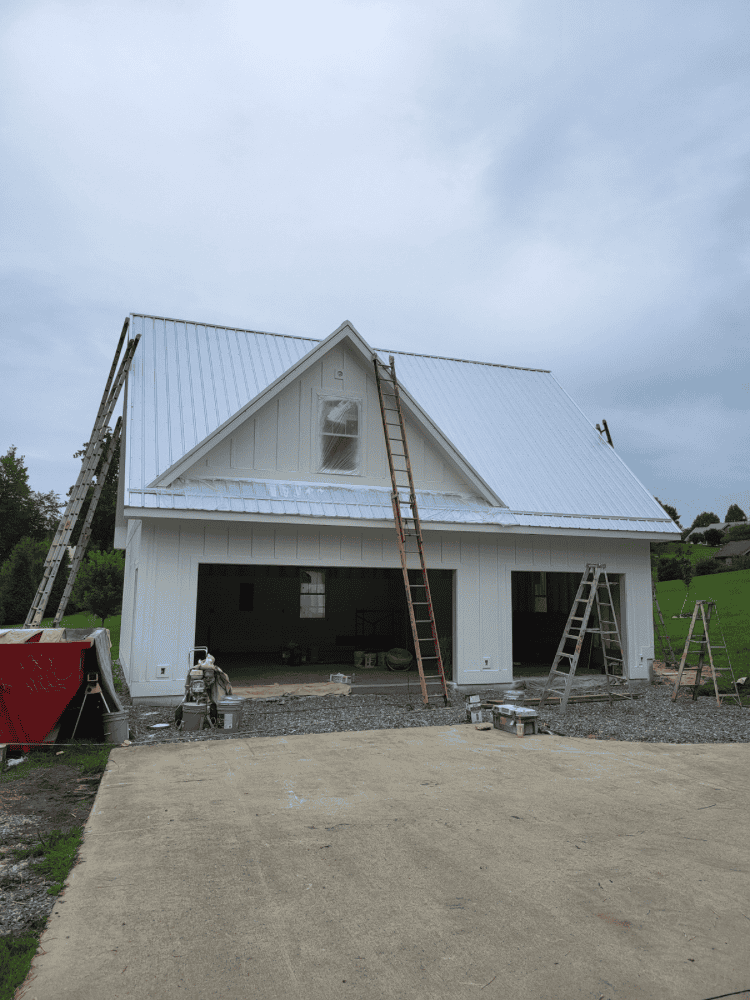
[
  {"x": 339, "y": 453},
  {"x": 340, "y": 416}
]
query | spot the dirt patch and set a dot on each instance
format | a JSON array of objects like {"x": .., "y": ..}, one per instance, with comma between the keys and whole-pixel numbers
[{"x": 48, "y": 798}]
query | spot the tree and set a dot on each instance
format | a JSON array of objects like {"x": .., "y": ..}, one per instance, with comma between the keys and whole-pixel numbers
[
  {"x": 713, "y": 536},
  {"x": 20, "y": 576},
  {"x": 687, "y": 572},
  {"x": 98, "y": 586},
  {"x": 23, "y": 512},
  {"x": 672, "y": 511},
  {"x": 671, "y": 568},
  {"x": 735, "y": 513},
  {"x": 103, "y": 523}
]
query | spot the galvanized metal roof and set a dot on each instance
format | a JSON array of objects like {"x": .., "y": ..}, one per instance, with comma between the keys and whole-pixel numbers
[
  {"x": 372, "y": 503},
  {"x": 517, "y": 427}
]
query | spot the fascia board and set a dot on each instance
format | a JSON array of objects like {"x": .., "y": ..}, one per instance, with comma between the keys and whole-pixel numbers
[
  {"x": 345, "y": 331},
  {"x": 155, "y": 514}
]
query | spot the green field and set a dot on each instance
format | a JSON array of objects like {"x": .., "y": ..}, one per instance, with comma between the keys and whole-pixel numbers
[
  {"x": 87, "y": 620},
  {"x": 731, "y": 591}
]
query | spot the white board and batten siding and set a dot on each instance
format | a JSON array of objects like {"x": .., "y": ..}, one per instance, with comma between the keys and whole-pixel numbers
[{"x": 161, "y": 586}]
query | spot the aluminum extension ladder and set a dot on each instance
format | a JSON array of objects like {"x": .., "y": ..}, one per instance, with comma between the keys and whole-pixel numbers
[
  {"x": 409, "y": 529},
  {"x": 668, "y": 654},
  {"x": 81, "y": 488},
  {"x": 699, "y": 639},
  {"x": 594, "y": 579}
]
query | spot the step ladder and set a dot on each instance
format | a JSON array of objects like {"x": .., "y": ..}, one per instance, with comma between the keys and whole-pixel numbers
[
  {"x": 667, "y": 652},
  {"x": 594, "y": 594},
  {"x": 700, "y": 646},
  {"x": 409, "y": 532},
  {"x": 80, "y": 490}
]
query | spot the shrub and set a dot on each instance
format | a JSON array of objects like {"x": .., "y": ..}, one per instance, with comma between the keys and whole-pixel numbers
[
  {"x": 671, "y": 568},
  {"x": 704, "y": 567},
  {"x": 713, "y": 537}
]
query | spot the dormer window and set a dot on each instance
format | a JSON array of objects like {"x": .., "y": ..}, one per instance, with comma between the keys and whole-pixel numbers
[{"x": 339, "y": 435}]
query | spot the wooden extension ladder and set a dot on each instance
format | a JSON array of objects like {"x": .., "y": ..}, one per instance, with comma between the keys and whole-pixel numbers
[
  {"x": 81, "y": 488},
  {"x": 667, "y": 652},
  {"x": 698, "y": 643},
  {"x": 409, "y": 530},
  {"x": 588, "y": 596}
]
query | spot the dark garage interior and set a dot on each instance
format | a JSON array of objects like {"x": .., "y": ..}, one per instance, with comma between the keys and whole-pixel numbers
[
  {"x": 249, "y": 616},
  {"x": 541, "y": 605}
]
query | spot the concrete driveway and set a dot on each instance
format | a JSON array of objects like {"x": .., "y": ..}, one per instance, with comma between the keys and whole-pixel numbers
[{"x": 412, "y": 863}]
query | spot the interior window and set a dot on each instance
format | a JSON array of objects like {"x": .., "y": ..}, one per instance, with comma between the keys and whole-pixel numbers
[
  {"x": 312, "y": 593},
  {"x": 540, "y": 592},
  {"x": 339, "y": 435}
]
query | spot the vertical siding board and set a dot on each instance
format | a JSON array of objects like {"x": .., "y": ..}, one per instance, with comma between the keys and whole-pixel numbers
[
  {"x": 240, "y": 541},
  {"x": 489, "y": 593},
  {"x": 351, "y": 548},
  {"x": 330, "y": 547},
  {"x": 308, "y": 546},
  {"x": 285, "y": 545},
  {"x": 541, "y": 553},
  {"x": 166, "y": 639},
  {"x": 216, "y": 541},
  {"x": 263, "y": 544},
  {"x": 289, "y": 429},
  {"x": 372, "y": 548}
]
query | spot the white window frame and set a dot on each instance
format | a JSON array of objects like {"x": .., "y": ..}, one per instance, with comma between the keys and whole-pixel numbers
[{"x": 330, "y": 397}]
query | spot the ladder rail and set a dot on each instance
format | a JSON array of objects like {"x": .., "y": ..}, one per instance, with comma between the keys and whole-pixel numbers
[
  {"x": 403, "y": 533},
  {"x": 665, "y": 642},
  {"x": 85, "y": 477},
  {"x": 85, "y": 535}
]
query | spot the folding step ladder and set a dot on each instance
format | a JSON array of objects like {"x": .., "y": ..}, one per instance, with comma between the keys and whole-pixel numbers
[
  {"x": 409, "y": 531},
  {"x": 668, "y": 655},
  {"x": 587, "y": 598},
  {"x": 81, "y": 488},
  {"x": 698, "y": 643}
]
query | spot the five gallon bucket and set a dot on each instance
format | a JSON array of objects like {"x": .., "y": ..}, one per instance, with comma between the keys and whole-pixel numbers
[
  {"x": 193, "y": 714},
  {"x": 115, "y": 727},
  {"x": 231, "y": 710}
]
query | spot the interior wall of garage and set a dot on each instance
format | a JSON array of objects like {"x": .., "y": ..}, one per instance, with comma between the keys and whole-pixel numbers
[
  {"x": 228, "y": 622},
  {"x": 169, "y": 551},
  {"x": 541, "y": 603}
]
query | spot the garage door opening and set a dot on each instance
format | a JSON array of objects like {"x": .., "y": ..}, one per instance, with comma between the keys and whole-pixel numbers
[
  {"x": 541, "y": 606},
  {"x": 250, "y": 616}
]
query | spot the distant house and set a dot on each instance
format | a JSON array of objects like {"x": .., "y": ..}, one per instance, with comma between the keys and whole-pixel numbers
[
  {"x": 733, "y": 550},
  {"x": 721, "y": 526},
  {"x": 255, "y": 507}
]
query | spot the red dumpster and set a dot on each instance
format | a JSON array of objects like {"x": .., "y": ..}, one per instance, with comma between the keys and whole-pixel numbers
[{"x": 42, "y": 671}]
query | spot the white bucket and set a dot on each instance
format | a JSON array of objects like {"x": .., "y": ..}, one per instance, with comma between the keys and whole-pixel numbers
[
  {"x": 115, "y": 726},
  {"x": 231, "y": 710},
  {"x": 193, "y": 714}
]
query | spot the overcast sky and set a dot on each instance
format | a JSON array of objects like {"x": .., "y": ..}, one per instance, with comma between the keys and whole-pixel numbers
[{"x": 544, "y": 183}]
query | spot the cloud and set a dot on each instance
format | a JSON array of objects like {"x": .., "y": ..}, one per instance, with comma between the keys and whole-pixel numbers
[{"x": 558, "y": 185}]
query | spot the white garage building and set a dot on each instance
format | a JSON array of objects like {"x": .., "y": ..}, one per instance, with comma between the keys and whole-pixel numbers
[{"x": 255, "y": 510}]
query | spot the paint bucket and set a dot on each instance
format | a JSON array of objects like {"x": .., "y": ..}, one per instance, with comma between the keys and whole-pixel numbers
[
  {"x": 193, "y": 714},
  {"x": 115, "y": 726},
  {"x": 359, "y": 657},
  {"x": 381, "y": 660},
  {"x": 230, "y": 708},
  {"x": 398, "y": 659}
]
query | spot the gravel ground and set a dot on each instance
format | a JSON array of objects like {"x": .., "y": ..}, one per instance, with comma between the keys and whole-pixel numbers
[{"x": 651, "y": 717}]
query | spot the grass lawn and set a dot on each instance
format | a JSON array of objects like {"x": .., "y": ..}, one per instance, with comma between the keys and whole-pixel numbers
[
  {"x": 731, "y": 591},
  {"x": 86, "y": 620}
]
